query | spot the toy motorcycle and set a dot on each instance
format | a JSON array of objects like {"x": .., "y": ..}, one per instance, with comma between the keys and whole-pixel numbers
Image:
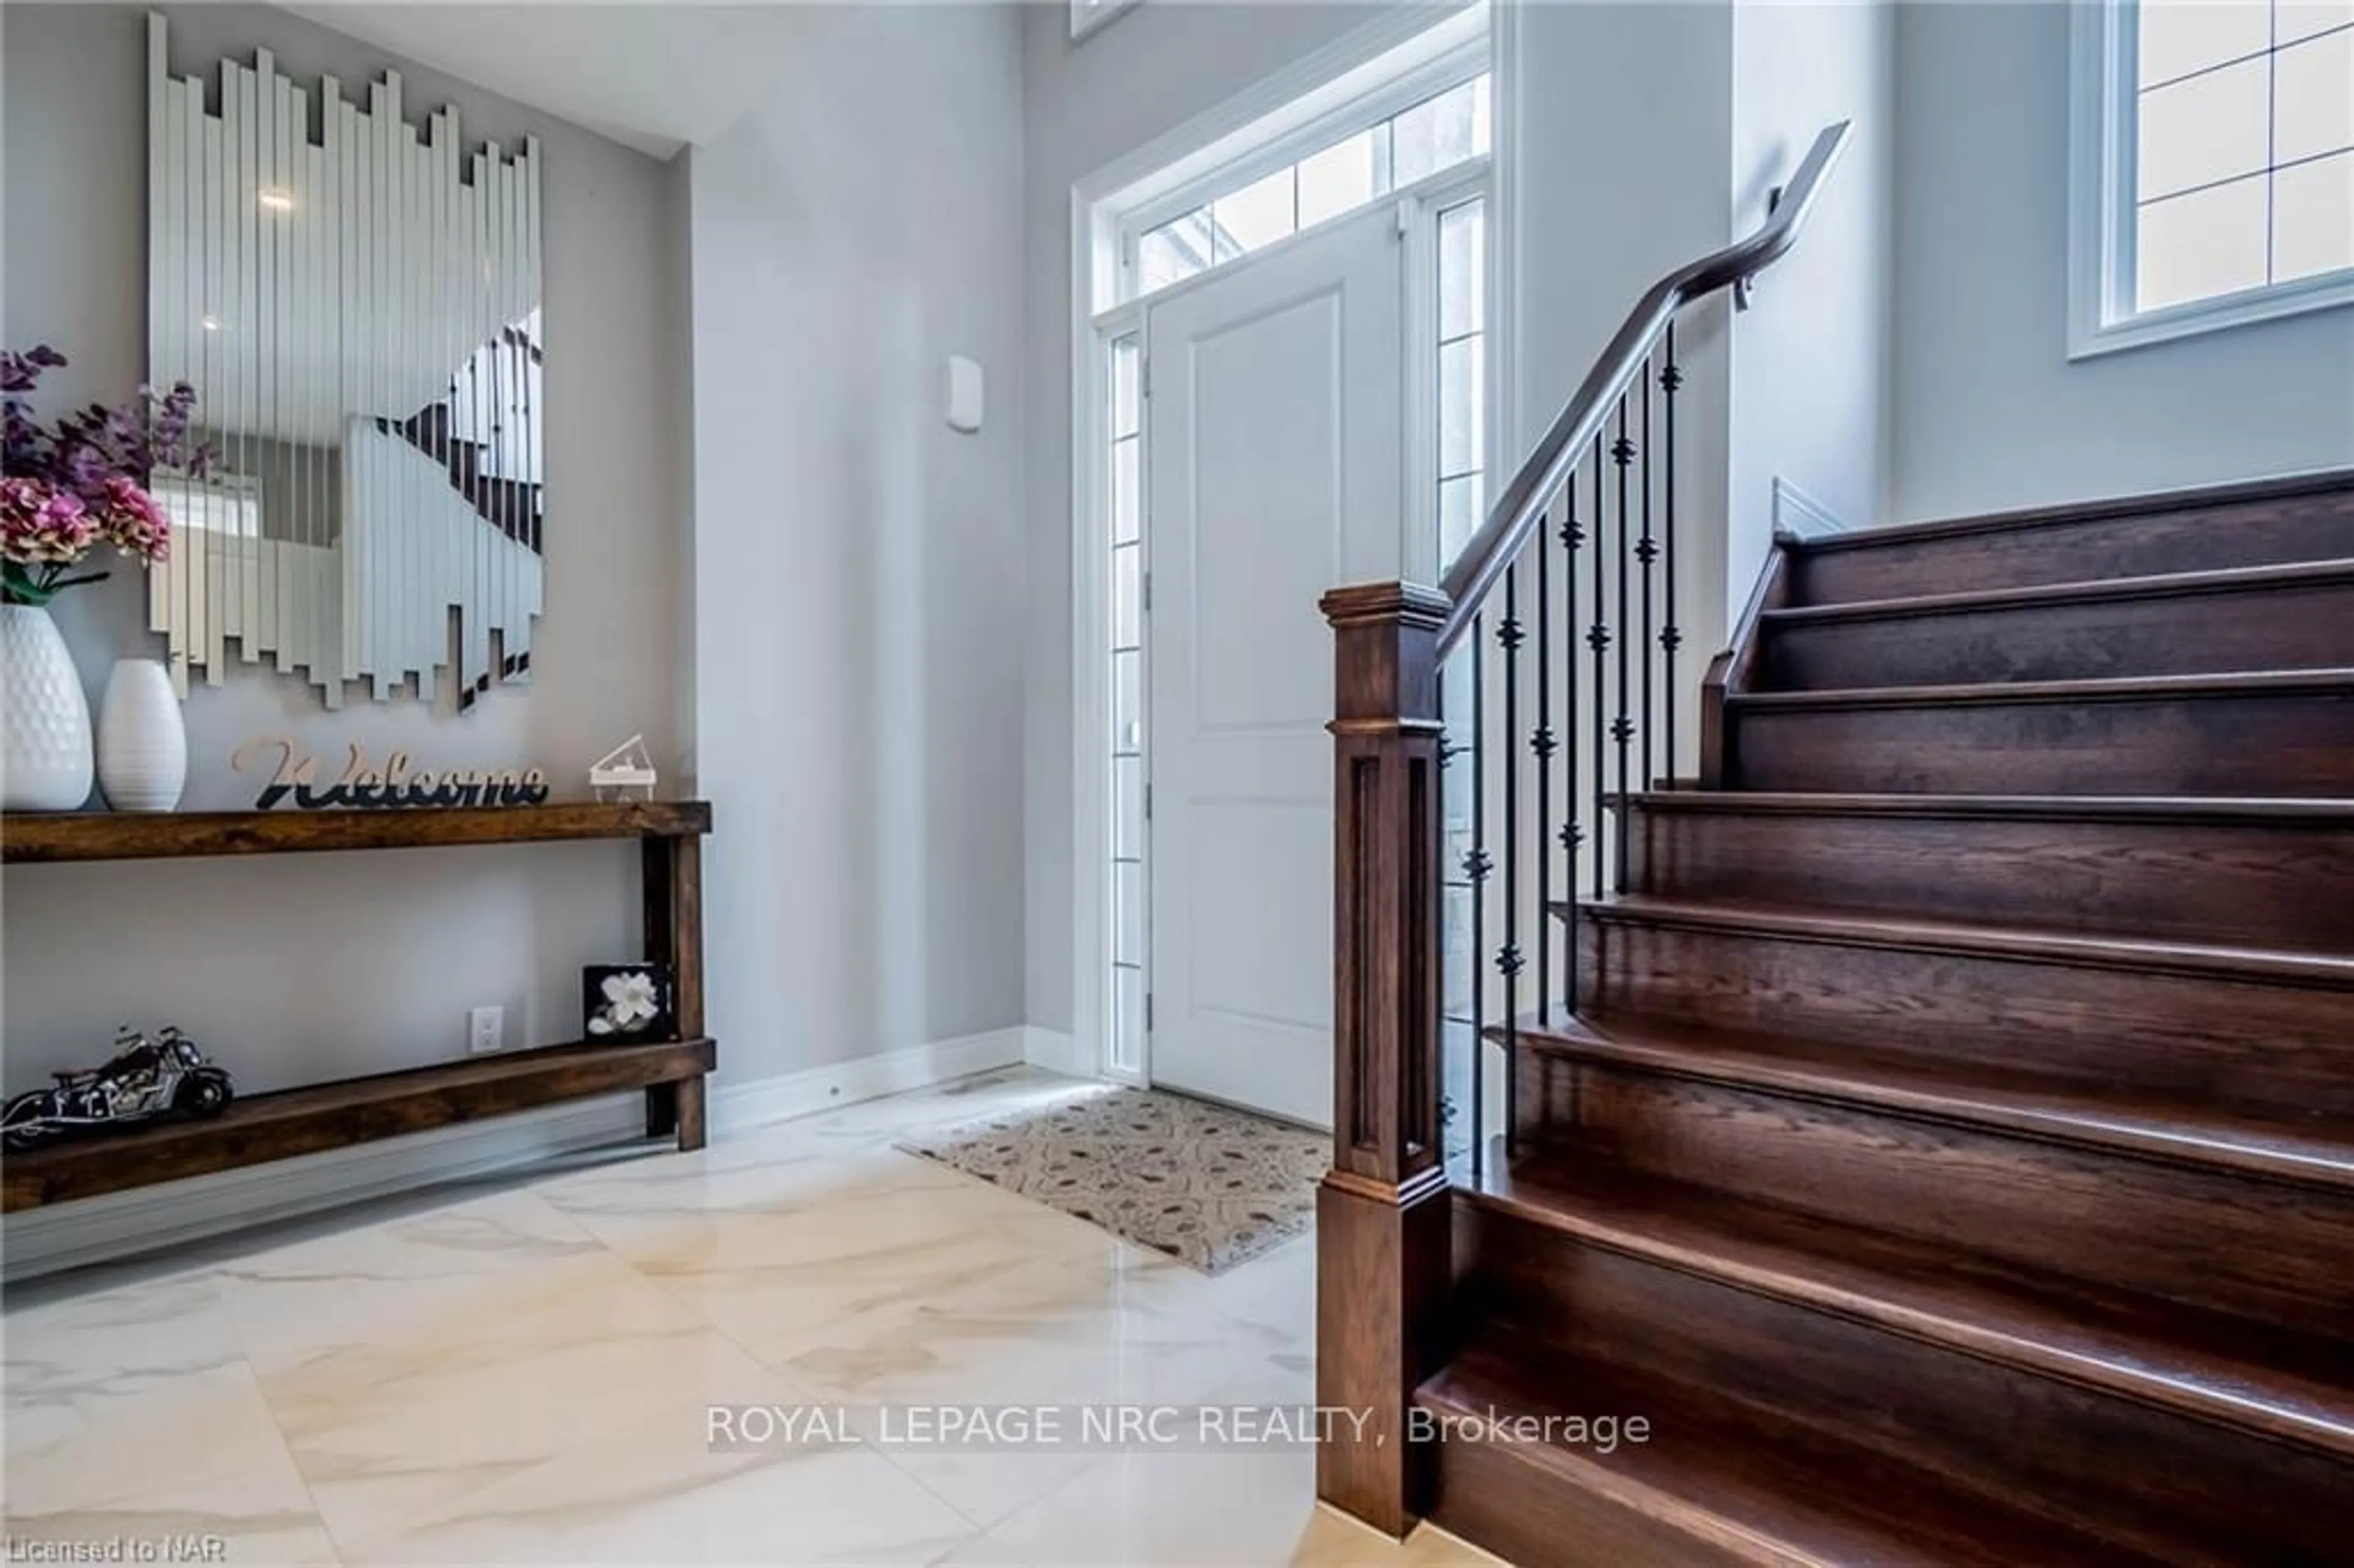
[{"x": 145, "y": 1078}]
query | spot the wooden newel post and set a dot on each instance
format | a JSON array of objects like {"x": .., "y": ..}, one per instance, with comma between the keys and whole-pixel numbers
[{"x": 1382, "y": 1258}]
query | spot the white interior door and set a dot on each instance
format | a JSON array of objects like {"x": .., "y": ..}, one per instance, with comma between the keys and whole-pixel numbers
[{"x": 1275, "y": 429}]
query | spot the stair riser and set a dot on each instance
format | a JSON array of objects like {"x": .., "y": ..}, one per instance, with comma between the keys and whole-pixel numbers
[
  {"x": 2255, "y": 534},
  {"x": 2241, "y": 744},
  {"x": 2254, "y": 882},
  {"x": 1938, "y": 1407},
  {"x": 1489, "y": 1495},
  {"x": 2228, "y": 1042},
  {"x": 2273, "y": 628},
  {"x": 2269, "y": 1251}
]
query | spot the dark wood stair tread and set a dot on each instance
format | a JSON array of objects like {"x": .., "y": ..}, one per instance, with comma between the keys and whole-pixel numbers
[
  {"x": 1743, "y": 1484},
  {"x": 2162, "y": 503},
  {"x": 2186, "y": 1131},
  {"x": 2282, "y": 810},
  {"x": 2275, "y": 965},
  {"x": 2101, "y": 590},
  {"x": 2292, "y": 1387},
  {"x": 2326, "y": 682}
]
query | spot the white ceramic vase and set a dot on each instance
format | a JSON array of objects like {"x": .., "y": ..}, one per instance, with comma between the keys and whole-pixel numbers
[
  {"x": 44, "y": 760},
  {"x": 143, "y": 747}
]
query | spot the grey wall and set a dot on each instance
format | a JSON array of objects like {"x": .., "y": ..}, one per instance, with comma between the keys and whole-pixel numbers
[
  {"x": 312, "y": 967},
  {"x": 1988, "y": 410},
  {"x": 1810, "y": 358},
  {"x": 1608, "y": 195},
  {"x": 859, "y": 566}
]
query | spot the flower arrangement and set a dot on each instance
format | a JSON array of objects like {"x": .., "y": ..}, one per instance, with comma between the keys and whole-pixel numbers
[{"x": 69, "y": 486}]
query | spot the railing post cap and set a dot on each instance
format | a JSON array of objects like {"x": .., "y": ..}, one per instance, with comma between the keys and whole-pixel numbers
[{"x": 1408, "y": 604}]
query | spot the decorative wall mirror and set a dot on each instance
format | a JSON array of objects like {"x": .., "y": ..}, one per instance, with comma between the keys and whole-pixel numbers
[{"x": 358, "y": 308}]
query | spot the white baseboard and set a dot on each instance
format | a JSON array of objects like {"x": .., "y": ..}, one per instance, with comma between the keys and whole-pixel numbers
[
  {"x": 1796, "y": 512},
  {"x": 738, "y": 1107},
  {"x": 122, "y": 1224},
  {"x": 1051, "y": 1051}
]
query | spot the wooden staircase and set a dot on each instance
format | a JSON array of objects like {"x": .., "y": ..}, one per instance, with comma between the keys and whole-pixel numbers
[{"x": 1951, "y": 1157}]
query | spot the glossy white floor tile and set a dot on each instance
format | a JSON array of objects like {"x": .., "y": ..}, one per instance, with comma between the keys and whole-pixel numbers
[{"x": 524, "y": 1373}]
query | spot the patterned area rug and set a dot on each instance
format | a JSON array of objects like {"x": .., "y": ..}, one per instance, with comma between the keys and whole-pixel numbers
[{"x": 1207, "y": 1185}]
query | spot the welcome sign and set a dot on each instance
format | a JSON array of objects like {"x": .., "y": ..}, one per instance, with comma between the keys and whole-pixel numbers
[{"x": 393, "y": 787}]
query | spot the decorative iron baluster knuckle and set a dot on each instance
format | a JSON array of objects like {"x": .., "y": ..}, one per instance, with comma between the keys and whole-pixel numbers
[
  {"x": 1477, "y": 866},
  {"x": 1508, "y": 636},
  {"x": 1597, "y": 638},
  {"x": 1622, "y": 451},
  {"x": 1571, "y": 835},
  {"x": 1622, "y": 728},
  {"x": 1573, "y": 533},
  {"x": 1509, "y": 961},
  {"x": 1541, "y": 741},
  {"x": 1647, "y": 550},
  {"x": 1670, "y": 377},
  {"x": 1671, "y": 639}
]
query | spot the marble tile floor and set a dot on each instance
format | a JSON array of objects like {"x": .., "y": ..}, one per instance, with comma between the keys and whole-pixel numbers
[{"x": 522, "y": 1370}]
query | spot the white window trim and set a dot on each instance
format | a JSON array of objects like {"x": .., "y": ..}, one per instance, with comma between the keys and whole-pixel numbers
[
  {"x": 1448, "y": 71},
  {"x": 1099, "y": 202},
  {"x": 2101, "y": 314},
  {"x": 1452, "y": 183}
]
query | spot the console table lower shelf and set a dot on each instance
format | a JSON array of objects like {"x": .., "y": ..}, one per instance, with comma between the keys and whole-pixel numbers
[{"x": 360, "y": 1110}]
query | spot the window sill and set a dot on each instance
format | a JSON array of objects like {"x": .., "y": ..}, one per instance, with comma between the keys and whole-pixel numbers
[{"x": 2330, "y": 290}]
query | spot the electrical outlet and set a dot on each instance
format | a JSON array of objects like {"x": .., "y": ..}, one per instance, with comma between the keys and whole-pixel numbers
[{"x": 486, "y": 1029}]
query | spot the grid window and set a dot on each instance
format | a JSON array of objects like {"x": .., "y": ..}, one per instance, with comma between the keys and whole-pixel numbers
[
  {"x": 1462, "y": 435},
  {"x": 1460, "y": 440},
  {"x": 1442, "y": 131},
  {"x": 2243, "y": 146},
  {"x": 1126, "y": 882}
]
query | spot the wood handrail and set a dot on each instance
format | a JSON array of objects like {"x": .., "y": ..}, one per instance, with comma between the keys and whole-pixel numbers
[{"x": 1522, "y": 504}]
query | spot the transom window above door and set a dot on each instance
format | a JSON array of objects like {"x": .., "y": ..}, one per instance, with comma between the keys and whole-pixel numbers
[
  {"x": 2215, "y": 165},
  {"x": 1440, "y": 132}
]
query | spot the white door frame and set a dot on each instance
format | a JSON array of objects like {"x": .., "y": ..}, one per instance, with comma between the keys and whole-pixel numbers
[{"x": 1099, "y": 202}]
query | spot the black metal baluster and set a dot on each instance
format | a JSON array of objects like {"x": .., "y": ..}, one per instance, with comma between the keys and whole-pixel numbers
[
  {"x": 1448, "y": 886},
  {"x": 1670, "y": 637},
  {"x": 1541, "y": 742},
  {"x": 1647, "y": 552},
  {"x": 1475, "y": 866},
  {"x": 1597, "y": 638},
  {"x": 1573, "y": 534},
  {"x": 1508, "y": 963},
  {"x": 1622, "y": 728}
]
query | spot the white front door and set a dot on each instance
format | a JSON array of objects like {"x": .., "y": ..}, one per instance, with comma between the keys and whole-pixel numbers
[{"x": 1276, "y": 430}]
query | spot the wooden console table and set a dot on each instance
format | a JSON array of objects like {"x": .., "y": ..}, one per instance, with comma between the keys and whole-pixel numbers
[{"x": 288, "y": 1122}]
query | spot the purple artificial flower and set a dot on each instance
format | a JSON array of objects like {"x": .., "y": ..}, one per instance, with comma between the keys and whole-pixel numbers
[
  {"x": 134, "y": 523},
  {"x": 84, "y": 477},
  {"x": 40, "y": 526}
]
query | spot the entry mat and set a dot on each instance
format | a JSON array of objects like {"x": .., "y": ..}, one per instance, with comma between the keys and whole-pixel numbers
[{"x": 1207, "y": 1185}]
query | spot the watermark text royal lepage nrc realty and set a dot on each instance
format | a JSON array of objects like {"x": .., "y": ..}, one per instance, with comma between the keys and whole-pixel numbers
[{"x": 1111, "y": 1428}]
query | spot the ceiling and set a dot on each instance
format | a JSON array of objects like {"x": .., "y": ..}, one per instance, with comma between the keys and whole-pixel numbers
[{"x": 655, "y": 75}]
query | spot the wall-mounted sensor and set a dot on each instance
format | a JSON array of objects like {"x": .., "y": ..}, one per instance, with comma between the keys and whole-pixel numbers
[{"x": 964, "y": 394}]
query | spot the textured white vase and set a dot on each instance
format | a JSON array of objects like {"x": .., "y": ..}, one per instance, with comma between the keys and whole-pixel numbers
[
  {"x": 44, "y": 760},
  {"x": 143, "y": 747}
]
